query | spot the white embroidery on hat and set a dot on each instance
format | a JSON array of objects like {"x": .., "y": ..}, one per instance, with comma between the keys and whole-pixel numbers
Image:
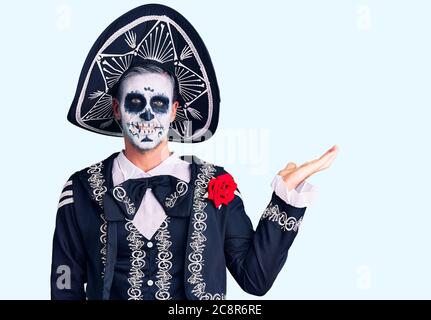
[
  {"x": 157, "y": 46},
  {"x": 186, "y": 53},
  {"x": 131, "y": 39},
  {"x": 112, "y": 66}
]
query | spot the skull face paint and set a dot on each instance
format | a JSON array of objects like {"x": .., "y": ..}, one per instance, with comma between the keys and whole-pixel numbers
[{"x": 145, "y": 101}]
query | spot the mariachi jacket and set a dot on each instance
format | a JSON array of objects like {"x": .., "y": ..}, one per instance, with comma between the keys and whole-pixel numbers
[{"x": 95, "y": 244}]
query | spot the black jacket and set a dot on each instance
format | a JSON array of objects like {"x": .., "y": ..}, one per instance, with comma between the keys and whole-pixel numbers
[{"x": 90, "y": 239}]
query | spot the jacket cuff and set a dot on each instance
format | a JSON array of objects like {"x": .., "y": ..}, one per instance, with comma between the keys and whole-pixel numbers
[
  {"x": 286, "y": 216},
  {"x": 302, "y": 196}
]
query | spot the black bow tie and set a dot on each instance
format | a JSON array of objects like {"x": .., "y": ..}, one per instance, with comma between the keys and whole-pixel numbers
[{"x": 172, "y": 193}]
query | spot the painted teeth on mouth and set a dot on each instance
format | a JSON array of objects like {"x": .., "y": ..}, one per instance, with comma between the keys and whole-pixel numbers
[
  {"x": 145, "y": 125},
  {"x": 145, "y": 128}
]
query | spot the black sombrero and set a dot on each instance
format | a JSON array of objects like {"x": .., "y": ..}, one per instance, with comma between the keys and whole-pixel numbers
[{"x": 156, "y": 34}]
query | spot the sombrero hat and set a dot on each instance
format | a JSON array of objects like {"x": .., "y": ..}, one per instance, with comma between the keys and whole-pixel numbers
[{"x": 155, "y": 34}]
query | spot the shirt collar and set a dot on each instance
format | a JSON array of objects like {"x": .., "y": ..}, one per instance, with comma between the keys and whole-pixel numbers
[{"x": 172, "y": 165}]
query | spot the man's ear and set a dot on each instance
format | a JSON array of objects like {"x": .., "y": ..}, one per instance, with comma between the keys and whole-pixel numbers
[
  {"x": 116, "y": 107},
  {"x": 175, "y": 106}
]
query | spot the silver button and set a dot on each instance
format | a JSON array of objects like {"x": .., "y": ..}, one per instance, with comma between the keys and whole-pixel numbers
[
  {"x": 149, "y": 244},
  {"x": 150, "y": 282}
]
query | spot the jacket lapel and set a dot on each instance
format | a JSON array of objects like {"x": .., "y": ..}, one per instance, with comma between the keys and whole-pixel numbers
[
  {"x": 97, "y": 179},
  {"x": 205, "y": 275}
]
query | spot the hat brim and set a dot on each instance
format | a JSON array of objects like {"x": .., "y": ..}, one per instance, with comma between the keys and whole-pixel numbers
[{"x": 152, "y": 33}]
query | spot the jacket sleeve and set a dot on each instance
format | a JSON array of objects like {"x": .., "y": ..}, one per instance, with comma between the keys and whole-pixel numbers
[
  {"x": 254, "y": 258},
  {"x": 68, "y": 256}
]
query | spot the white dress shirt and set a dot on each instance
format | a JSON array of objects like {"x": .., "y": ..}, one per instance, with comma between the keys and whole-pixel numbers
[{"x": 150, "y": 214}]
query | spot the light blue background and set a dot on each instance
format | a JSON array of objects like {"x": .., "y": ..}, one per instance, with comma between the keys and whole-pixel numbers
[{"x": 295, "y": 77}]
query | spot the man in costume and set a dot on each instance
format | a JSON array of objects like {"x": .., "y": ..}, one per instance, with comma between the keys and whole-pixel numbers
[{"x": 146, "y": 223}]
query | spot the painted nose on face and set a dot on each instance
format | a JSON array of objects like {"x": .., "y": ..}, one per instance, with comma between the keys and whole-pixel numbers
[{"x": 146, "y": 115}]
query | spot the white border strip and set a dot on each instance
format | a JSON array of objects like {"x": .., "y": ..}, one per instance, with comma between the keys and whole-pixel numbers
[{"x": 64, "y": 202}]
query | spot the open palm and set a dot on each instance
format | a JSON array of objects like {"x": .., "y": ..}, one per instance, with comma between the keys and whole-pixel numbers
[{"x": 294, "y": 175}]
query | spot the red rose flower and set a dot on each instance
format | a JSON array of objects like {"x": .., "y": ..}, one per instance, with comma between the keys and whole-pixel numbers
[{"x": 221, "y": 189}]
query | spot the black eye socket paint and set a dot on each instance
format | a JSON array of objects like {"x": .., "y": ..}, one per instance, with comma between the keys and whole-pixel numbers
[
  {"x": 134, "y": 102},
  {"x": 160, "y": 104}
]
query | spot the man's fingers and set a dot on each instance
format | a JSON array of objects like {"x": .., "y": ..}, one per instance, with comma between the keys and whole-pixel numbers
[
  {"x": 332, "y": 151},
  {"x": 321, "y": 163},
  {"x": 308, "y": 168},
  {"x": 328, "y": 157},
  {"x": 291, "y": 166}
]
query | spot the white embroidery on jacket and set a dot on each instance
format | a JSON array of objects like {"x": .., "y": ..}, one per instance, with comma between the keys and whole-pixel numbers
[
  {"x": 97, "y": 181},
  {"x": 137, "y": 261},
  {"x": 120, "y": 195},
  {"x": 273, "y": 213},
  {"x": 196, "y": 261},
  {"x": 181, "y": 189},
  {"x": 163, "y": 260}
]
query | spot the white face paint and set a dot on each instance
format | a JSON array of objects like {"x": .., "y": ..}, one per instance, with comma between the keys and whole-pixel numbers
[{"x": 146, "y": 108}]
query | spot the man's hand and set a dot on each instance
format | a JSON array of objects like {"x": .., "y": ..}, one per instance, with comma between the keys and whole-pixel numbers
[{"x": 294, "y": 175}]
